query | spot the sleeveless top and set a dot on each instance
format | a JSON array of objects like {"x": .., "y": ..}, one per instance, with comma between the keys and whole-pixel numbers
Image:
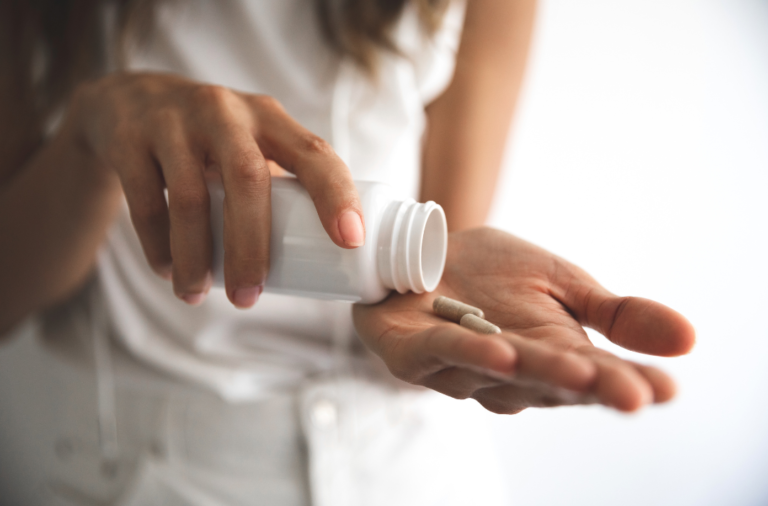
[{"x": 274, "y": 47}]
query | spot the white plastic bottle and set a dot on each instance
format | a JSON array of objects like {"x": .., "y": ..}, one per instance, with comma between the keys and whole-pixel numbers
[{"x": 405, "y": 245}]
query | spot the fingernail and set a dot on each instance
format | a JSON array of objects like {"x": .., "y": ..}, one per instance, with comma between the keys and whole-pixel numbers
[
  {"x": 244, "y": 298},
  {"x": 351, "y": 229},
  {"x": 193, "y": 299}
]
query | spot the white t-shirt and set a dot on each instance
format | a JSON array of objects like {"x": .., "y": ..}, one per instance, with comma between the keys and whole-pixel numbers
[{"x": 274, "y": 47}]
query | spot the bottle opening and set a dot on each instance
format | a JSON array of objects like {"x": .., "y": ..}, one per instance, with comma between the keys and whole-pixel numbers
[
  {"x": 434, "y": 248},
  {"x": 413, "y": 246}
]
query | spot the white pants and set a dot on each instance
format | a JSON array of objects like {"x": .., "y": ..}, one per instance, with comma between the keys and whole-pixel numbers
[{"x": 342, "y": 440}]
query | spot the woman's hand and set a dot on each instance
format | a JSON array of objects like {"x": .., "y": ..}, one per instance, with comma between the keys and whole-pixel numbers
[
  {"x": 543, "y": 357},
  {"x": 163, "y": 131}
]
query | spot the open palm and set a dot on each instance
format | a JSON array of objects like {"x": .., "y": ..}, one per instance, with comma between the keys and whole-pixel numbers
[{"x": 543, "y": 357}]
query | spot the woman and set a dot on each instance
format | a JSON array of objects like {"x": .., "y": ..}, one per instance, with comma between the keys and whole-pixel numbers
[{"x": 329, "y": 92}]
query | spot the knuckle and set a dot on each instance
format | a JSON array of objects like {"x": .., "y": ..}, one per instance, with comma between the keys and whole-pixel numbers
[
  {"x": 453, "y": 383},
  {"x": 457, "y": 393},
  {"x": 249, "y": 168},
  {"x": 402, "y": 373},
  {"x": 500, "y": 408},
  {"x": 398, "y": 358},
  {"x": 213, "y": 95},
  {"x": 268, "y": 103},
  {"x": 313, "y": 145},
  {"x": 550, "y": 401}
]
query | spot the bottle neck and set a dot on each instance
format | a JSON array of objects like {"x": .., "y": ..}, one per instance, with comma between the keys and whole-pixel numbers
[{"x": 413, "y": 243}]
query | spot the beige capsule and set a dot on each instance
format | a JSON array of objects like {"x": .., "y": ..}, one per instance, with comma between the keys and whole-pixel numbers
[
  {"x": 479, "y": 325},
  {"x": 453, "y": 309}
]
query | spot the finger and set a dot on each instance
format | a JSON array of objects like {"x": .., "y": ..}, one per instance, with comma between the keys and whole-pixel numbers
[
  {"x": 458, "y": 382},
  {"x": 189, "y": 209},
  {"x": 631, "y": 322},
  {"x": 247, "y": 212},
  {"x": 664, "y": 388},
  {"x": 512, "y": 399},
  {"x": 319, "y": 169},
  {"x": 143, "y": 187},
  {"x": 619, "y": 385},
  {"x": 415, "y": 357},
  {"x": 504, "y": 400},
  {"x": 541, "y": 362}
]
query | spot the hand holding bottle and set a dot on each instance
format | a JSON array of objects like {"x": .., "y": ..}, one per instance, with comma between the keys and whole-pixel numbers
[
  {"x": 543, "y": 357},
  {"x": 162, "y": 132}
]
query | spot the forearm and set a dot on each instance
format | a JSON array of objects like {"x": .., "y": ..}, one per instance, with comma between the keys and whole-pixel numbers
[
  {"x": 54, "y": 213},
  {"x": 469, "y": 123}
]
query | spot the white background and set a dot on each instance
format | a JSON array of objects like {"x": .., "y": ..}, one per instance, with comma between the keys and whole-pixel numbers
[{"x": 640, "y": 153}]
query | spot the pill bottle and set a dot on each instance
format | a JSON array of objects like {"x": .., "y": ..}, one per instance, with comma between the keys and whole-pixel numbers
[{"x": 405, "y": 245}]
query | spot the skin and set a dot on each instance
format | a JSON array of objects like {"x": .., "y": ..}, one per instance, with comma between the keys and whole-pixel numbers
[
  {"x": 138, "y": 134},
  {"x": 543, "y": 357},
  {"x": 469, "y": 122}
]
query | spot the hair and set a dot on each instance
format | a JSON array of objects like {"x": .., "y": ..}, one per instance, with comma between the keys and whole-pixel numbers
[
  {"x": 47, "y": 47},
  {"x": 360, "y": 28}
]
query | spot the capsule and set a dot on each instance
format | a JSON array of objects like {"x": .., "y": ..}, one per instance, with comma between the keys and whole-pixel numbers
[
  {"x": 453, "y": 309},
  {"x": 479, "y": 325}
]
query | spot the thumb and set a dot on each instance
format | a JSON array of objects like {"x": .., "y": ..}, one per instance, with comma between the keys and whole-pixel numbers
[{"x": 633, "y": 323}]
